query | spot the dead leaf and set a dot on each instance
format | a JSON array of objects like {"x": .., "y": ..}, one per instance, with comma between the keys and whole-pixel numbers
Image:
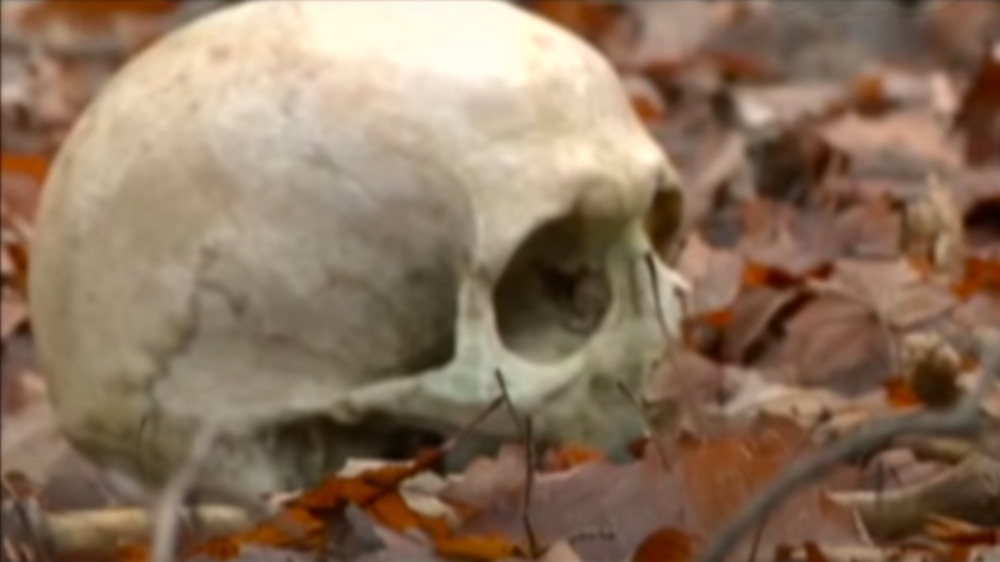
[
  {"x": 666, "y": 545},
  {"x": 838, "y": 343},
  {"x": 957, "y": 532},
  {"x": 588, "y": 18},
  {"x": 979, "y": 114},
  {"x": 570, "y": 456},
  {"x": 912, "y": 135},
  {"x": 476, "y": 548},
  {"x": 715, "y": 275},
  {"x": 560, "y": 551}
]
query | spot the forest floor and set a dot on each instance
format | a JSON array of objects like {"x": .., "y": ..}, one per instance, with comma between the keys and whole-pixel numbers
[{"x": 841, "y": 166}]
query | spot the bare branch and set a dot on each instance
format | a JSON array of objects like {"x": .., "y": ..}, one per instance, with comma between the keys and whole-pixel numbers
[
  {"x": 970, "y": 491},
  {"x": 100, "y": 531},
  {"x": 963, "y": 419}
]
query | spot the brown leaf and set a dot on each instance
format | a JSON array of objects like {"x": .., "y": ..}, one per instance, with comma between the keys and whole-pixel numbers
[
  {"x": 757, "y": 317},
  {"x": 715, "y": 275},
  {"x": 666, "y": 545},
  {"x": 836, "y": 342},
  {"x": 912, "y": 134},
  {"x": 979, "y": 115},
  {"x": 476, "y": 548},
  {"x": 900, "y": 394},
  {"x": 588, "y": 18},
  {"x": 721, "y": 473},
  {"x": 486, "y": 481}
]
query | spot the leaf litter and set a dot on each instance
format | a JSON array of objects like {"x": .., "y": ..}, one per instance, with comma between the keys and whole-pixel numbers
[{"x": 843, "y": 198}]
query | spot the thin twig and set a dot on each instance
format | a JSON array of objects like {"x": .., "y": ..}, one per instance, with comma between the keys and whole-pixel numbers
[
  {"x": 509, "y": 402},
  {"x": 534, "y": 550},
  {"x": 647, "y": 429},
  {"x": 524, "y": 428},
  {"x": 426, "y": 461},
  {"x": 963, "y": 419},
  {"x": 654, "y": 279},
  {"x": 174, "y": 494}
]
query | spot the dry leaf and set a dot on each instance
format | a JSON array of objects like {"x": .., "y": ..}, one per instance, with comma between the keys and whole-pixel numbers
[
  {"x": 666, "y": 545},
  {"x": 979, "y": 115}
]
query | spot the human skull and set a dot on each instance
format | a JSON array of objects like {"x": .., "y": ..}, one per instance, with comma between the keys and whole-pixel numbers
[{"x": 312, "y": 223}]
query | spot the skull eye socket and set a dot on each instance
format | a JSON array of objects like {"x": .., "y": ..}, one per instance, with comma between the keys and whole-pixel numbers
[
  {"x": 552, "y": 297},
  {"x": 664, "y": 217}
]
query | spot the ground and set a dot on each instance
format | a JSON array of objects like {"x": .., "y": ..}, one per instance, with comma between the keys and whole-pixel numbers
[{"x": 841, "y": 166}]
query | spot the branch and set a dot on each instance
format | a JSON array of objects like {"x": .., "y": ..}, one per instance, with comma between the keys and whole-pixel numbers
[
  {"x": 100, "y": 531},
  {"x": 969, "y": 491},
  {"x": 963, "y": 419}
]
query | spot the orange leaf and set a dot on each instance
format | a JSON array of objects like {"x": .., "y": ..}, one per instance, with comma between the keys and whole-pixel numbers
[
  {"x": 979, "y": 275},
  {"x": 900, "y": 394},
  {"x": 220, "y": 548},
  {"x": 34, "y": 166},
  {"x": 647, "y": 111},
  {"x": 958, "y": 532},
  {"x": 132, "y": 553},
  {"x": 718, "y": 319},
  {"x": 588, "y": 18},
  {"x": 568, "y": 456},
  {"x": 666, "y": 545},
  {"x": 479, "y": 548}
]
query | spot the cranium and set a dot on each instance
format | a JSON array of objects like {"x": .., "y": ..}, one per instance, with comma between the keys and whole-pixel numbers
[{"x": 309, "y": 223}]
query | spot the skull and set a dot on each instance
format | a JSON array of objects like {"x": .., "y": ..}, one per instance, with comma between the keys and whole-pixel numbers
[{"x": 313, "y": 224}]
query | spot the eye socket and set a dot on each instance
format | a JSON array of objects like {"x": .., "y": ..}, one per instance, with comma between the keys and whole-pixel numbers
[{"x": 664, "y": 217}]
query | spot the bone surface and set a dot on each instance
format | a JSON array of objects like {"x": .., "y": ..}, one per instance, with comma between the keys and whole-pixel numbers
[{"x": 314, "y": 223}]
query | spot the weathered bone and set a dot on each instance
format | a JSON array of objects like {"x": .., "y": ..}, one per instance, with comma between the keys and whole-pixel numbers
[{"x": 321, "y": 235}]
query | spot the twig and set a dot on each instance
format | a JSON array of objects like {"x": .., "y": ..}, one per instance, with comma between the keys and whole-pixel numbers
[
  {"x": 524, "y": 428},
  {"x": 534, "y": 550},
  {"x": 647, "y": 430},
  {"x": 969, "y": 490},
  {"x": 426, "y": 461},
  {"x": 964, "y": 418},
  {"x": 173, "y": 497},
  {"x": 509, "y": 402},
  {"x": 100, "y": 531}
]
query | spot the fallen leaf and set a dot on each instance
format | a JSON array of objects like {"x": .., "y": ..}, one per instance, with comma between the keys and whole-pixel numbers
[
  {"x": 957, "y": 532},
  {"x": 588, "y": 18},
  {"x": 715, "y": 276},
  {"x": 979, "y": 114},
  {"x": 570, "y": 456},
  {"x": 912, "y": 135},
  {"x": 900, "y": 394},
  {"x": 560, "y": 551},
  {"x": 666, "y": 545},
  {"x": 476, "y": 548}
]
